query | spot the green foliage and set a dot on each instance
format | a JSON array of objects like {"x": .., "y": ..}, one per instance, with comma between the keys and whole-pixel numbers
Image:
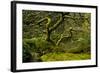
[
  {"x": 43, "y": 29},
  {"x": 81, "y": 45},
  {"x": 35, "y": 47},
  {"x": 57, "y": 49},
  {"x": 65, "y": 56},
  {"x": 27, "y": 57}
]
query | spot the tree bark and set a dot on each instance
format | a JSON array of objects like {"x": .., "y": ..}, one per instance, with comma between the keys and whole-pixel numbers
[{"x": 49, "y": 29}]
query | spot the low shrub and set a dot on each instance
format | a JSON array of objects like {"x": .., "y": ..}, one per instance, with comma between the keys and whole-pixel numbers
[
  {"x": 80, "y": 46},
  {"x": 34, "y": 48}
]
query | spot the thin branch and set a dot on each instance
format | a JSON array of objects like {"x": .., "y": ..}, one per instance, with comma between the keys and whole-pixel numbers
[
  {"x": 46, "y": 18},
  {"x": 56, "y": 24}
]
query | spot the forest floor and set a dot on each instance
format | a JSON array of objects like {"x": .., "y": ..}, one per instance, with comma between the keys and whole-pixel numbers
[{"x": 65, "y": 56}]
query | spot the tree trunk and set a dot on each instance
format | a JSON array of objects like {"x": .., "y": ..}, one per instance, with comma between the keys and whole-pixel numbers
[{"x": 49, "y": 29}]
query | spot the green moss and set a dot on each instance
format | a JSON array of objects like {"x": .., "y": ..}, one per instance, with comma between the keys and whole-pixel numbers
[{"x": 65, "y": 56}]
